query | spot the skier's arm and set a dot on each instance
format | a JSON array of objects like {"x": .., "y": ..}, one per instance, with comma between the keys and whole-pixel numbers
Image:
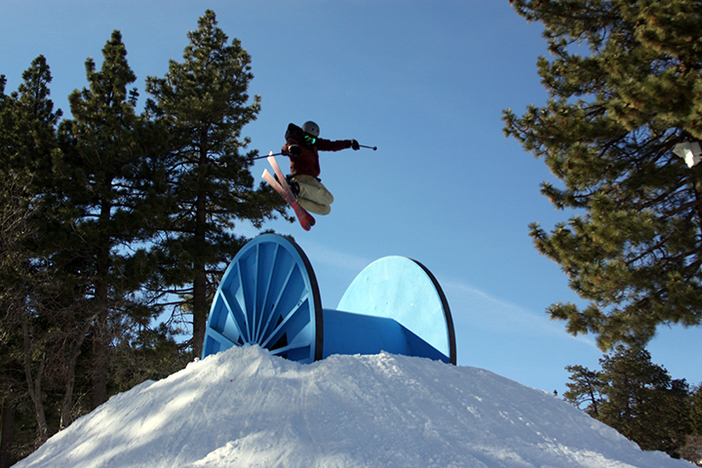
[
  {"x": 337, "y": 145},
  {"x": 291, "y": 148}
]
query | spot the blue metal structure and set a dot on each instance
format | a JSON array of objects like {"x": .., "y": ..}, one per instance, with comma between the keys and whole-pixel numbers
[
  {"x": 405, "y": 291},
  {"x": 269, "y": 296}
]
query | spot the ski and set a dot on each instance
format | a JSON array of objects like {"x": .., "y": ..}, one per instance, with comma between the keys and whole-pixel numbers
[{"x": 281, "y": 186}]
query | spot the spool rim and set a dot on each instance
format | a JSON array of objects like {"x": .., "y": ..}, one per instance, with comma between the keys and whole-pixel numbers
[{"x": 268, "y": 296}]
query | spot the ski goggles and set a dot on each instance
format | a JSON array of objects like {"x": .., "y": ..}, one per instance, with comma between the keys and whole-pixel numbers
[{"x": 310, "y": 140}]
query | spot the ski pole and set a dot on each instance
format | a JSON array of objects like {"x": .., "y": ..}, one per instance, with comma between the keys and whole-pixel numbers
[
  {"x": 266, "y": 155},
  {"x": 369, "y": 147}
]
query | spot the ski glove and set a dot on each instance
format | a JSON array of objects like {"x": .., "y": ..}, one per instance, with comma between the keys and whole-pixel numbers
[
  {"x": 355, "y": 145},
  {"x": 294, "y": 150}
]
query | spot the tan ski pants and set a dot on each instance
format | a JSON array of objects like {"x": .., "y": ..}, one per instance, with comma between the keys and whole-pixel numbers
[{"x": 314, "y": 196}]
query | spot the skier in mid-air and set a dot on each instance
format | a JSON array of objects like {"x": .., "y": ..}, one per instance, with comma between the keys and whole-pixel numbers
[{"x": 302, "y": 145}]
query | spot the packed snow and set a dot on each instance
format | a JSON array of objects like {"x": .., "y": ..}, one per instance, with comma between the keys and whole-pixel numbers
[{"x": 246, "y": 408}]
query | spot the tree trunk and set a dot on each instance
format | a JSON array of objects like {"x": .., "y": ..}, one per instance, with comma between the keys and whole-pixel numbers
[
  {"x": 8, "y": 433},
  {"x": 101, "y": 336},
  {"x": 199, "y": 313},
  {"x": 34, "y": 386},
  {"x": 200, "y": 308},
  {"x": 99, "y": 360},
  {"x": 66, "y": 416}
]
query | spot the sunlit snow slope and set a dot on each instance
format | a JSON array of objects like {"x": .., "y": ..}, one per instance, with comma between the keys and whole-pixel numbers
[{"x": 245, "y": 408}]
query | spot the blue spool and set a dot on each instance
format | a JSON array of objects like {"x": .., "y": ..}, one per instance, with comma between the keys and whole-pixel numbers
[{"x": 269, "y": 296}]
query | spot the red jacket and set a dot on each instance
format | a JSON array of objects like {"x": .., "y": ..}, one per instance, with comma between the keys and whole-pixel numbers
[{"x": 308, "y": 160}]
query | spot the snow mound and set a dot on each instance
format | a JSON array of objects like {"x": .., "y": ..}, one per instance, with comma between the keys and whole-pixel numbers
[{"x": 246, "y": 408}]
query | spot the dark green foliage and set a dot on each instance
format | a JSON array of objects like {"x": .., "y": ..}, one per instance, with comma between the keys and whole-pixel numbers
[
  {"x": 693, "y": 447},
  {"x": 15, "y": 228},
  {"x": 625, "y": 88},
  {"x": 643, "y": 403},
  {"x": 145, "y": 354},
  {"x": 585, "y": 389},
  {"x": 696, "y": 411},
  {"x": 28, "y": 139},
  {"x": 103, "y": 181},
  {"x": 635, "y": 397}
]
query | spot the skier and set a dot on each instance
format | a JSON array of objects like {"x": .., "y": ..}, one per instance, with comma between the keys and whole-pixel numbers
[{"x": 302, "y": 146}]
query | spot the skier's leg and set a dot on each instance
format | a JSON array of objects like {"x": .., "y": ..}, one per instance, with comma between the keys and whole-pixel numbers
[
  {"x": 313, "y": 207},
  {"x": 313, "y": 190}
]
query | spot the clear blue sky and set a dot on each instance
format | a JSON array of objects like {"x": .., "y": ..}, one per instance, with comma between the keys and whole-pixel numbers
[{"x": 425, "y": 82}]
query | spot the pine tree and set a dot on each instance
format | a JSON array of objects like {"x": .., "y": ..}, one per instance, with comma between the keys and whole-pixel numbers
[
  {"x": 586, "y": 388},
  {"x": 643, "y": 402},
  {"x": 204, "y": 103},
  {"x": 637, "y": 398},
  {"x": 624, "y": 88},
  {"x": 696, "y": 411},
  {"x": 107, "y": 170},
  {"x": 28, "y": 140},
  {"x": 692, "y": 451},
  {"x": 15, "y": 228}
]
